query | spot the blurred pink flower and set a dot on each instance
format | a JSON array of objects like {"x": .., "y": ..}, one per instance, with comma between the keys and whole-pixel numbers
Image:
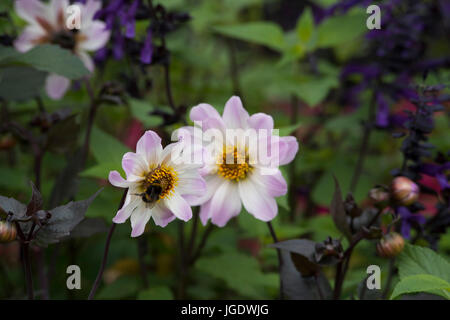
[
  {"x": 245, "y": 181},
  {"x": 47, "y": 24},
  {"x": 159, "y": 186}
]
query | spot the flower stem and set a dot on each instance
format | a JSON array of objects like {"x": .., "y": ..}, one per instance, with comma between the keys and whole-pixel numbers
[
  {"x": 27, "y": 267},
  {"x": 280, "y": 259},
  {"x": 105, "y": 254},
  {"x": 368, "y": 126}
]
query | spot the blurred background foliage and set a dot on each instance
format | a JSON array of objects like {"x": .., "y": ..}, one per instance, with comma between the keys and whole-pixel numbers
[{"x": 280, "y": 59}]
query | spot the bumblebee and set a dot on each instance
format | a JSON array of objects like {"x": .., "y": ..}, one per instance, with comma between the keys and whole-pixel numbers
[{"x": 152, "y": 192}]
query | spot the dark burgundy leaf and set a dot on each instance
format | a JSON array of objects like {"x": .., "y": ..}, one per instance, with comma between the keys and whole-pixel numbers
[{"x": 36, "y": 201}]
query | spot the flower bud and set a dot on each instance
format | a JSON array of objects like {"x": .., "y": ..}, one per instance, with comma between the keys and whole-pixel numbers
[
  {"x": 7, "y": 142},
  {"x": 8, "y": 231},
  {"x": 378, "y": 194},
  {"x": 404, "y": 191},
  {"x": 350, "y": 206},
  {"x": 390, "y": 245}
]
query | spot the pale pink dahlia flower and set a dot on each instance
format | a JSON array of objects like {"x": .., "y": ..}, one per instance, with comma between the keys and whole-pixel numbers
[
  {"x": 159, "y": 184},
  {"x": 246, "y": 179},
  {"x": 47, "y": 24}
]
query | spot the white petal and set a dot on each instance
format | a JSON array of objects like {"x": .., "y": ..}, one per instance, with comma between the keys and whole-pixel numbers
[
  {"x": 87, "y": 60},
  {"x": 179, "y": 206},
  {"x": 116, "y": 180},
  {"x": 88, "y": 11},
  {"x": 274, "y": 183},
  {"x": 261, "y": 121},
  {"x": 124, "y": 213},
  {"x": 149, "y": 146},
  {"x": 234, "y": 114},
  {"x": 190, "y": 182},
  {"x": 96, "y": 36},
  {"x": 225, "y": 203},
  {"x": 30, "y": 9},
  {"x": 256, "y": 201},
  {"x": 56, "y": 86},
  {"x": 213, "y": 182},
  {"x": 58, "y": 12},
  {"x": 204, "y": 111},
  {"x": 134, "y": 166},
  {"x": 28, "y": 38},
  {"x": 288, "y": 149},
  {"x": 139, "y": 219},
  {"x": 162, "y": 215}
]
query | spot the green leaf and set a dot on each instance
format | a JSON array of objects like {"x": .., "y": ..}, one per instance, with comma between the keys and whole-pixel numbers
[
  {"x": 240, "y": 273},
  {"x": 7, "y": 52},
  {"x": 422, "y": 283},
  {"x": 100, "y": 171},
  {"x": 107, "y": 150},
  {"x": 305, "y": 27},
  {"x": 54, "y": 59},
  {"x": 141, "y": 110},
  {"x": 340, "y": 29},
  {"x": 264, "y": 33},
  {"x": 288, "y": 130},
  {"x": 20, "y": 83},
  {"x": 156, "y": 293},
  {"x": 419, "y": 260}
]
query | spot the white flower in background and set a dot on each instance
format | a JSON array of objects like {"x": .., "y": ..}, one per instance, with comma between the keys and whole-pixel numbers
[
  {"x": 47, "y": 24},
  {"x": 159, "y": 184},
  {"x": 235, "y": 171}
]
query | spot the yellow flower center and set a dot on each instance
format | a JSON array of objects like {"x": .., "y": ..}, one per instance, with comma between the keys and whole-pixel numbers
[
  {"x": 158, "y": 184},
  {"x": 234, "y": 165}
]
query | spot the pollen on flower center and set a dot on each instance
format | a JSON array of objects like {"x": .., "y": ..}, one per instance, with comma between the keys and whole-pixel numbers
[
  {"x": 236, "y": 169},
  {"x": 159, "y": 183}
]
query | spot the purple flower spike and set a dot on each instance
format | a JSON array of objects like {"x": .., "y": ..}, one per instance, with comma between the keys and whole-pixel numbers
[
  {"x": 118, "y": 46},
  {"x": 408, "y": 219},
  {"x": 147, "y": 50},
  {"x": 382, "y": 119},
  {"x": 130, "y": 20}
]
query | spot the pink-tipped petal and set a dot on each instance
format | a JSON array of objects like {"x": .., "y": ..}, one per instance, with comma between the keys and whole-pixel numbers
[
  {"x": 179, "y": 207},
  {"x": 139, "y": 219},
  {"x": 125, "y": 212},
  {"x": 58, "y": 12},
  {"x": 234, "y": 114},
  {"x": 116, "y": 180},
  {"x": 30, "y": 9},
  {"x": 149, "y": 146},
  {"x": 273, "y": 183},
  {"x": 56, "y": 86},
  {"x": 261, "y": 121},
  {"x": 193, "y": 183},
  {"x": 225, "y": 204},
  {"x": 288, "y": 148},
  {"x": 213, "y": 182},
  {"x": 204, "y": 111},
  {"x": 256, "y": 201},
  {"x": 28, "y": 38},
  {"x": 205, "y": 212},
  {"x": 96, "y": 36},
  {"x": 87, "y": 60},
  {"x": 162, "y": 216},
  {"x": 134, "y": 165},
  {"x": 88, "y": 11}
]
